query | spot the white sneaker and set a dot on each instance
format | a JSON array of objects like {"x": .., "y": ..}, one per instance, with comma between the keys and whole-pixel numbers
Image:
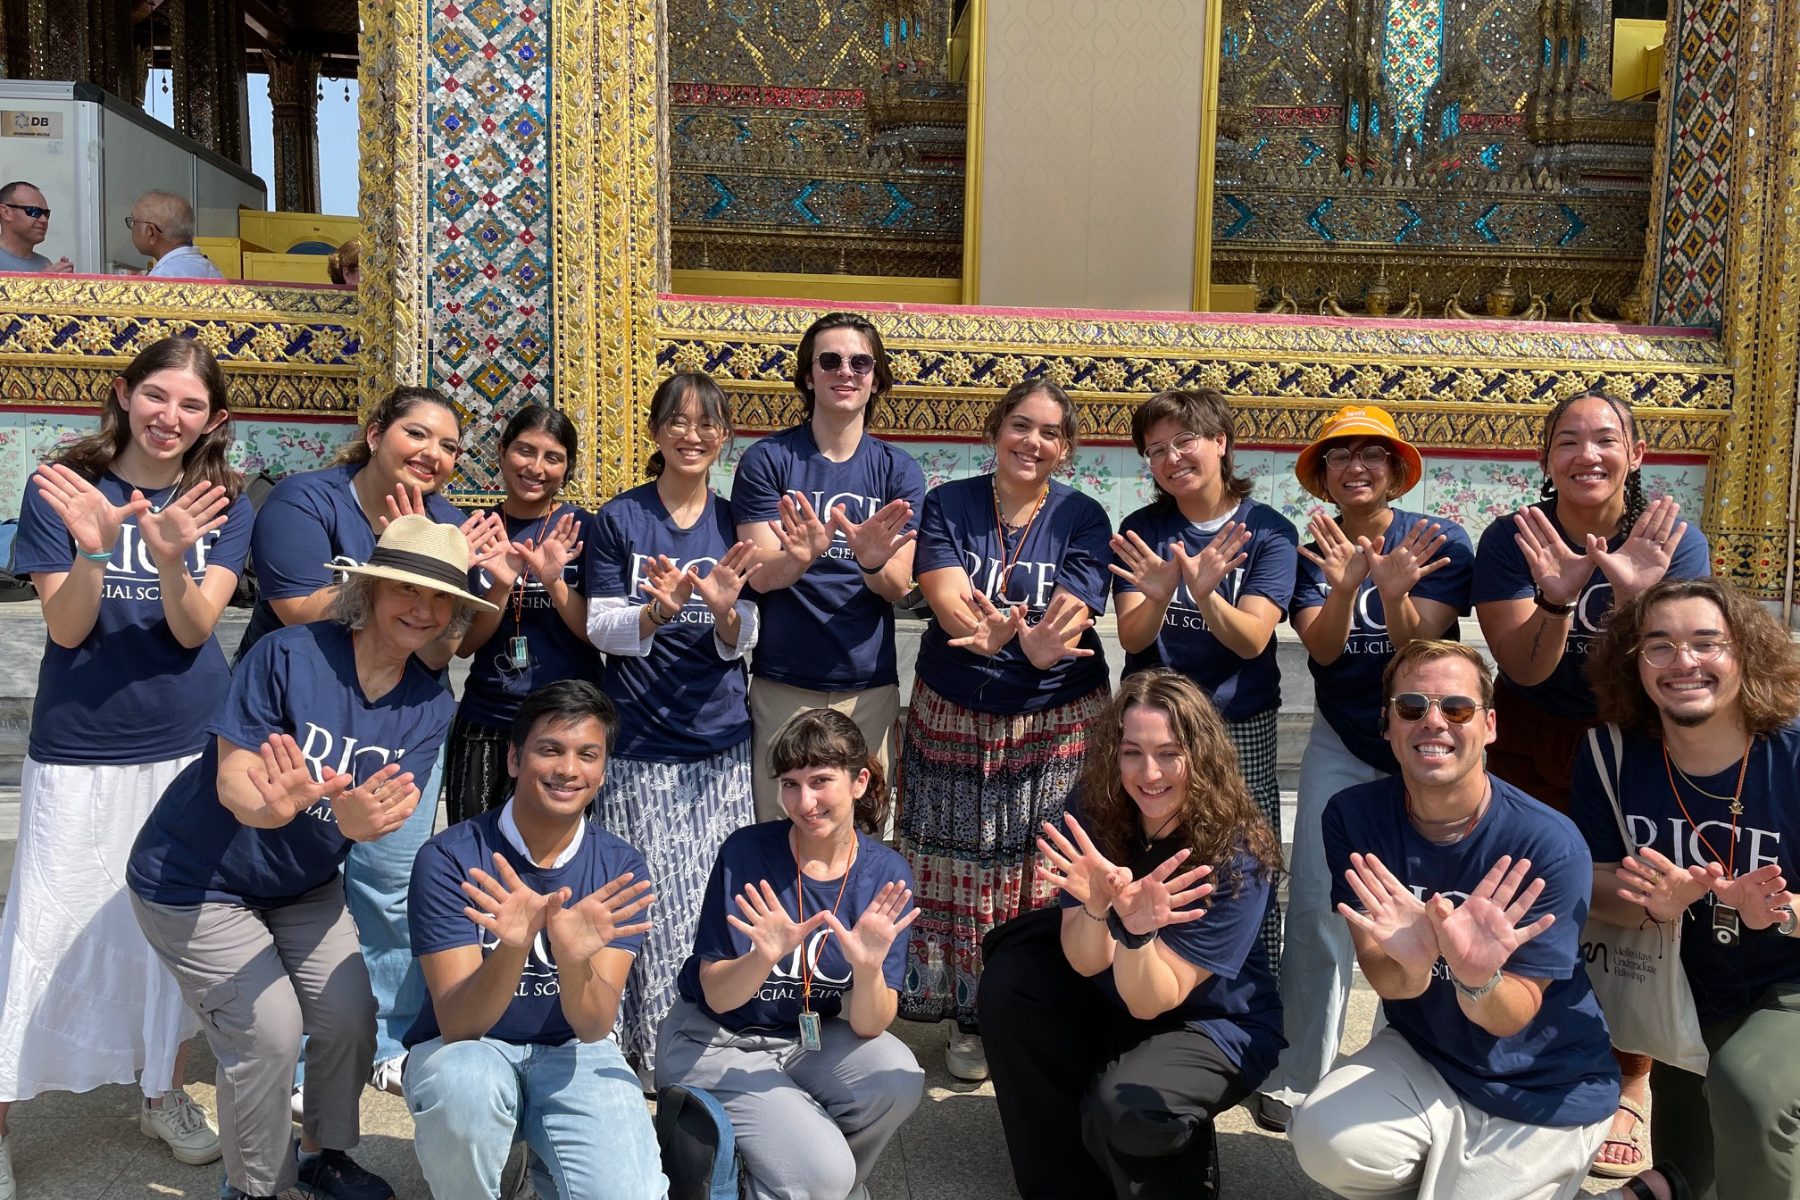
[
  {"x": 965, "y": 1057},
  {"x": 183, "y": 1125},
  {"x": 8, "y": 1189},
  {"x": 387, "y": 1075}
]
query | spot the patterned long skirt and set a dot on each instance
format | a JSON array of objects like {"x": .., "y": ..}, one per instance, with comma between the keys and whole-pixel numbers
[
  {"x": 975, "y": 789},
  {"x": 475, "y": 775},
  {"x": 1254, "y": 738},
  {"x": 677, "y": 815}
]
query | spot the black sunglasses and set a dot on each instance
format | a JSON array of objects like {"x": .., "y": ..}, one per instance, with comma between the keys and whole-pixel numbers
[
  {"x": 34, "y": 211},
  {"x": 831, "y": 360},
  {"x": 1458, "y": 710}
]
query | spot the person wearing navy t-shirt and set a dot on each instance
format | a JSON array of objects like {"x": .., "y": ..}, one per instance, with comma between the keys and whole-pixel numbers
[
  {"x": 796, "y": 973},
  {"x": 1465, "y": 897},
  {"x": 134, "y": 538},
  {"x": 1703, "y": 687},
  {"x": 1370, "y": 581},
  {"x": 832, "y": 510},
  {"x": 539, "y": 635},
  {"x": 235, "y": 878},
  {"x": 1204, "y": 574},
  {"x": 312, "y": 525},
  {"x": 666, "y": 575},
  {"x": 1546, "y": 580},
  {"x": 1010, "y": 674},
  {"x": 1121, "y": 1024},
  {"x": 526, "y": 920}
]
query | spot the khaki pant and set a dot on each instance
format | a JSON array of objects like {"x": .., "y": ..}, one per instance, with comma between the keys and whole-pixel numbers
[
  {"x": 876, "y": 711},
  {"x": 1386, "y": 1124}
]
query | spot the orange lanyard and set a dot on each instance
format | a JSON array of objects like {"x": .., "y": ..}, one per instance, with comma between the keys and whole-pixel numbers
[
  {"x": 800, "y": 918},
  {"x": 1737, "y": 807},
  {"x": 1007, "y": 564}
]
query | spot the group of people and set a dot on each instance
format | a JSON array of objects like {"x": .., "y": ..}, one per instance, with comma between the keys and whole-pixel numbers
[
  {"x": 161, "y": 225},
  {"x": 674, "y": 857}
]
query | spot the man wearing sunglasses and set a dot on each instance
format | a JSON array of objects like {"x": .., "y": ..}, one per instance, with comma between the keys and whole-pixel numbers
[
  {"x": 24, "y": 224},
  {"x": 1465, "y": 898}
]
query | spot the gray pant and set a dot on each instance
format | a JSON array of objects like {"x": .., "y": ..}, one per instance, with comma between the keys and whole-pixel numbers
[
  {"x": 259, "y": 980},
  {"x": 809, "y": 1124}
]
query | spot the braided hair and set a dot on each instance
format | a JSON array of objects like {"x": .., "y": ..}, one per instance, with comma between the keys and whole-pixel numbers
[{"x": 1634, "y": 482}]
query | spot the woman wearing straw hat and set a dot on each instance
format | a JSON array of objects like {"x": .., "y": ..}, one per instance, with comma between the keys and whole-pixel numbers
[
  {"x": 235, "y": 877},
  {"x": 1370, "y": 581}
]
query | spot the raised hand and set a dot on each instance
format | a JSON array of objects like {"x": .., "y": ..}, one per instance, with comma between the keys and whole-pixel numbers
[
  {"x": 378, "y": 806},
  {"x": 1075, "y": 865},
  {"x": 1392, "y": 915},
  {"x": 1559, "y": 572},
  {"x": 546, "y": 556},
  {"x": 91, "y": 519},
  {"x": 1341, "y": 560},
  {"x": 171, "y": 533},
  {"x": 1398, "y": 571},
  {"x": 880, "y": 537},
  {"x": 286, "y": 787},
  {"x": 667, "y": 585},
  {"x": 1644, "y": 557},
  {"x": 483, "y": 531},
  {"x": 1046, "y": 643},
  {"x": 800, "y": 532},
  {"x": 1664, "y": 889},
  {"x": 1146, "y": 570},
  {"x": 1754, "y": 894},
  {"x": 583, "y": 929},
  {"x": 1205, "y": 571},
  {"x": 772, "y": 933},
  {"x": 1479, "y": 935},
  {"x": 407, "y": 500},
  {"x": 1161, "y": 898},
  {"x": 720, "y": 587},
  {"x": 503, "y": 906},
  {"x": 994, "y": 627},
  {"x": 866, "y": 945}
]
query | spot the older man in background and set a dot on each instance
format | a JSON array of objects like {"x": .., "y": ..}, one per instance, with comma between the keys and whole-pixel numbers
[
  {"x": 24, "y": 223},
  {"x": 162, "y": 226}
]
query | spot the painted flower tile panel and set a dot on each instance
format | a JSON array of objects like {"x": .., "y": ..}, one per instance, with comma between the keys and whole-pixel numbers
[
  {"x": 284, "y": 447},
  {"x": 16, "y": 463},
  {"x": 1473, "y": 492}
]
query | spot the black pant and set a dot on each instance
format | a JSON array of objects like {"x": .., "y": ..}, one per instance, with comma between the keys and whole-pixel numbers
[
  {"x": 475, "y": 776},
  {"x": 1094, "y": 1102}
]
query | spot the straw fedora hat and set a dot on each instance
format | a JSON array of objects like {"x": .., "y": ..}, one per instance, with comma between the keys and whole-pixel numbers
[
  {"x": 416, "y": 549},
  {"x": 1359, "y": 420}
]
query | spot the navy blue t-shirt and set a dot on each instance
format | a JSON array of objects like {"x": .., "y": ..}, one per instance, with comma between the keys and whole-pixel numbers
[
  {"x": 1559, "y": 1069},
  {"x": 1348, "y": 690},
  {"x": 1238, "y": 1006},
  {"x": 828, "y": 632},
  {"x": 312, "y": 518},
  {"x": 130, "y": 693},
  {"x": 434, "y": 914},
  {"x": 1065, "y": 546},
  {"x": 762, "y": 852},
  {"x": 1726, "y": 979},
  {"x": 300, "y": 681},
  {"x": 681, "y": 702},
  {"x": 1240, "y": 688},
  {"x": 493, "y": 693},
  {"x": 1501, "y": 574}
]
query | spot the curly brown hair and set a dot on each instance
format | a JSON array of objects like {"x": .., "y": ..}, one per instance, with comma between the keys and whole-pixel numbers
[
  {"x": 1769, "y": 694},
  {"x": 1219, "y": 818}
]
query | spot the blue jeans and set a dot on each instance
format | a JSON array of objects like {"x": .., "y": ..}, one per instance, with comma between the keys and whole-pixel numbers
[
  {"x": 376, "y": 878},
  {"x": 578, "y": 1106}
]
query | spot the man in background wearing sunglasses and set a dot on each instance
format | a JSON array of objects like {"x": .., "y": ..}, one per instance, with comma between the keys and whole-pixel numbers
[
  {"x": 1465, "y": 898},
  {"x": 24, "y": 223}
]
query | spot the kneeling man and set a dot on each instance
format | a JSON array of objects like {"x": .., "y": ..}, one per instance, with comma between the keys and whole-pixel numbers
[
  {"x": 1494, "y": 1077},
  {"x": 526, "y": 920}
]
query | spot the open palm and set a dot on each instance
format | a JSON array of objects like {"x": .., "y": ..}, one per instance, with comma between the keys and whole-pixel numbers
[{"x": 1478, "y": 936}]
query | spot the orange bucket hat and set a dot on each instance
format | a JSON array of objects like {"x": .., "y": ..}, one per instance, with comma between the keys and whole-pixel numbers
[{"x": 1359, "y": 420}]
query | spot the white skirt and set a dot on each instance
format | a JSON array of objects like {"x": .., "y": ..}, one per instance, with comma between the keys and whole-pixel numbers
[{"x": 84, "y": 1001}]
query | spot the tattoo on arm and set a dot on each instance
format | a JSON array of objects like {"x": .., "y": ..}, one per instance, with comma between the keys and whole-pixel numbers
[{"x": 1537, "y": 639}]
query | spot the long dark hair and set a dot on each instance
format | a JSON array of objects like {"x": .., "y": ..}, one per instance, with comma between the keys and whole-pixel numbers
[
  {"x": 824, "y": 737},
  {"x": 803, "y": 358},
  {"x": 1219, "y": 819},
  {"x": 205, "y": 461},
  {"x": 671, "y": 397},
  {"x": 1204, "y": 411},
  {"x": 553, "y": 421},
  {"x": 1634, "y": 482},
  {"x": 393, "y": 407}
]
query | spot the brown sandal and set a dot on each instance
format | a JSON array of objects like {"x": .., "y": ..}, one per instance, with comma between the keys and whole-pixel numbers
[{"x": 1637, "y": 1139}]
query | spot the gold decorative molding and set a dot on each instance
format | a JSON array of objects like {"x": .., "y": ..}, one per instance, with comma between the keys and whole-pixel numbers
[{"x": 976, "y": 16}]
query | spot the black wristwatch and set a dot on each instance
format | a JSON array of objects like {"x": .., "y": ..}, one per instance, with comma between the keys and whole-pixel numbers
[
  {"x": 1556, "y": 610},
  {"x": 1124, "y": 936}
]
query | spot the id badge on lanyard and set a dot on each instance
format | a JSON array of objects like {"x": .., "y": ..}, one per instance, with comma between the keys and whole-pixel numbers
[{"x": 811, "y": 1028}]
